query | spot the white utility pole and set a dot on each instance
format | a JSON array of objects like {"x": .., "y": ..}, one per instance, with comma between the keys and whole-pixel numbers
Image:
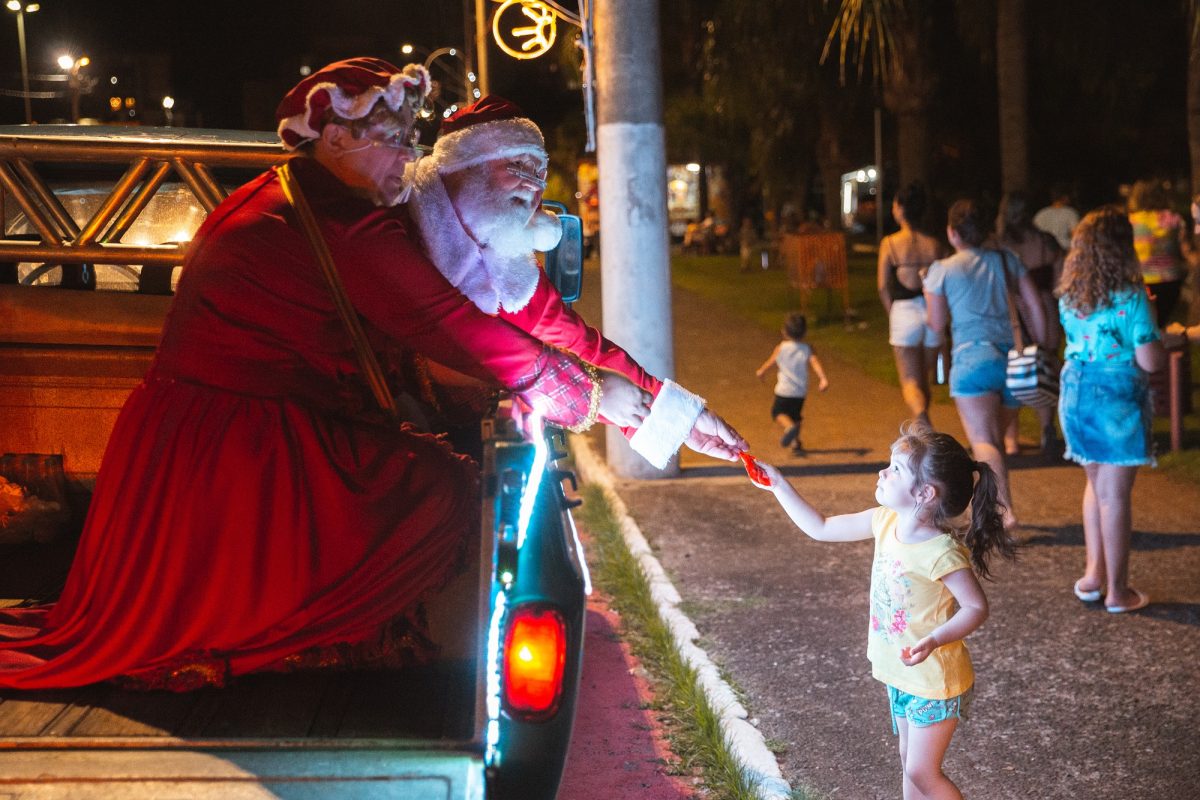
[{"x": 631, "y": 160}]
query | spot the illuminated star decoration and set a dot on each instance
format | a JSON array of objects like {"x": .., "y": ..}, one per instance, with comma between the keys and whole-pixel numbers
[{"x": 538, "y": 36}]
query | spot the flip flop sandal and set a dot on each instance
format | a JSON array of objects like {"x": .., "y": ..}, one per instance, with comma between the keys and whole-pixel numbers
[
  {"x": 1088, "y": 596},
  {"x": 1143, "y": 600}
]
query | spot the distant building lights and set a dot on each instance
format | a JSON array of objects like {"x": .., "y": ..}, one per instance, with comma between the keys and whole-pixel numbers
[
  {"x": 168, "y": 102},
  {"x": 471, "y": 77},
  {"x": 305, "y": 70},
  {"x": 693, "y": 167},
  {"x": 113, "y": 80},
  {"x": 65, "y": 62},
  {"x": 478, "y": 94},
  {"x": 871, "y": 173},
  {"x": 406, "y": 49}
]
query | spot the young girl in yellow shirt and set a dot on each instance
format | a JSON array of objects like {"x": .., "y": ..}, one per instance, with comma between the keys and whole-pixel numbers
[{"x": 925, "y": 597}]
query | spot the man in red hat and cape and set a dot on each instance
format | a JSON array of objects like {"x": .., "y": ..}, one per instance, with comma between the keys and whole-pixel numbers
[
  {"x": 476, "y": 201},
  {"x": 254, "y": 509}
]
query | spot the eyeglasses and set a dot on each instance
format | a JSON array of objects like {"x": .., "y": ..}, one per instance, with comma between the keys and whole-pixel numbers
[
  {"x": 399, "y": 139},
  {"x": 528, "y": 170}
]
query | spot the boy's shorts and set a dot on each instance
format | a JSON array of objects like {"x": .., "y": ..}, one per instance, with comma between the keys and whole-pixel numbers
[
  {"x": 922, "y": 712},
  {"x": 790, "y": 407}
]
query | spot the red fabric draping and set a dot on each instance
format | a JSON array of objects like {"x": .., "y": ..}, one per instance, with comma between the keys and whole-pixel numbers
[{"x": 250, "y": 507}]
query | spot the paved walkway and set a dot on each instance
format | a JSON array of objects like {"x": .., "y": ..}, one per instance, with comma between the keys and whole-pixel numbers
[{"x": 1071, "y": 702}]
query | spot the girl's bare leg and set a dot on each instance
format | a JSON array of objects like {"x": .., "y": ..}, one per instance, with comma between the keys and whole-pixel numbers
[
  {"x": 1113, "y": 486},
  {"x": 923, "y": 753},
  {"x": 981, "y": 421},
  {"x": 914, "y": 380},
  {"x": 1094, "y": 574}
]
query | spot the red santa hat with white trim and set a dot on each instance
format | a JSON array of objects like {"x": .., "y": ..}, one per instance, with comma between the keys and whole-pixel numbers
[
  {"x": 351, "y": 88},
  {"x": 489, "y": 129}
]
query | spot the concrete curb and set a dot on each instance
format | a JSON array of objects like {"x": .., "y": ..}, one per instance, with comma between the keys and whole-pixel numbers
[{"x": 743, "y": 739}]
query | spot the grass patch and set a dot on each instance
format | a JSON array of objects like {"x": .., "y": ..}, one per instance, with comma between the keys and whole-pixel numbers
[{"x": 693, "y": 726}]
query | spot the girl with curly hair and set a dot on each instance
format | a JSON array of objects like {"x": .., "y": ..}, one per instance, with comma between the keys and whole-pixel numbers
[{"x": 1104, "y": 404}]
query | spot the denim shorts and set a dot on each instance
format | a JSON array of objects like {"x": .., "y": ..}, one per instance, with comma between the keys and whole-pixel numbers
[
  {"x": 922, "y": 712},
  {"x": 979, "y": 368},
  {"x": 906, "y": 325},
  {"x": 1105, "y": 413}
]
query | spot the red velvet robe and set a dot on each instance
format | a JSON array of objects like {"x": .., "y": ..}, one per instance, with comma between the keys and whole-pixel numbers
[
  {"x": 251, "y": 510},
  {"x": 549, "y": 319}
]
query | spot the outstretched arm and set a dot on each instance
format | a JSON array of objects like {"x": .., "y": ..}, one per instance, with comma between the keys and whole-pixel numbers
[
  {"x": 972, "y": 611},
  {"x": 715, "y": 437},
  {"x": 766, "y": 365},
  {"x": 840, "y": 528},
  {"x": 820, "y": 372}
]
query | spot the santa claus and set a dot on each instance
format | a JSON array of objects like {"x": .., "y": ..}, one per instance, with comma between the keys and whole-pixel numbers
[{"x": 476, "y": 201}]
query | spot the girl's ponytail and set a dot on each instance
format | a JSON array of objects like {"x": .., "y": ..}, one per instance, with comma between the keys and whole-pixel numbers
[
  {"x": 986, "y": 532},
  {"x": 939, "y": 460}
]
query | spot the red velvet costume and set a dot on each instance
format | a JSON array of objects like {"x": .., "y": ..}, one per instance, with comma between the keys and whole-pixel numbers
[
  {"x": 548, "y": 318},
  {"x": 252, "y": 511}
]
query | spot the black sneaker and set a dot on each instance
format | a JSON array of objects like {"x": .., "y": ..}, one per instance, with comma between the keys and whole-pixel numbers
[
  {"x": 789, "y": 435},
  {"x": 798, "y": 449}
]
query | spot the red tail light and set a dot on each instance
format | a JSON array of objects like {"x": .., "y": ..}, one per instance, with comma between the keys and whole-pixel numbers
[{"x": 535, "y": 651}]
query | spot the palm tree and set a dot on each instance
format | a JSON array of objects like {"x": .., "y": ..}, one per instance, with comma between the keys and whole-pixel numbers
[
  {"x": 895, "y": 37},
  {"x": 1012, "y": 42},
  {"x": 1193, "y": 91}
]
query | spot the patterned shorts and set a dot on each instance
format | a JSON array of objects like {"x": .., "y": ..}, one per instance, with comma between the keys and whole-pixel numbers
[{"x": 922, "y": 712}]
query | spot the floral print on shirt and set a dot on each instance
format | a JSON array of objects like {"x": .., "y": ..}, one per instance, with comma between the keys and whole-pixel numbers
[{"x": 890, "y": 596}]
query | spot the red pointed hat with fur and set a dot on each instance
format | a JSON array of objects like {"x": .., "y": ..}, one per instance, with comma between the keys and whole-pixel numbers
[
  {"x": 490, "y": 128},
  {"x": 351, "y": 88}
]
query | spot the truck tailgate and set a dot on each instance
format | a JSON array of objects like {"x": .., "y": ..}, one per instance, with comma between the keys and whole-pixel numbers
[{"x": 240, "y": 774}]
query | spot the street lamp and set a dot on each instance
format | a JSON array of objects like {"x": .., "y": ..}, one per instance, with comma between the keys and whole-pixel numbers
[
  {"x": 76, "y": 83},
  {"x": 21, "y": 9},
  {"x": 168, "y": 104}
]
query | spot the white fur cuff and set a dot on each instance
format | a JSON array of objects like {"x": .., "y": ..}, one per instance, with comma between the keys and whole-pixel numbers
[{"x": 672, "y": 417}]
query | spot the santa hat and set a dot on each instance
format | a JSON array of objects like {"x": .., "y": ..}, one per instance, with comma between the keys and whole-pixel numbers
[
  {"x": 486, "y": 130},
  {"x": 351, "y": 88}
]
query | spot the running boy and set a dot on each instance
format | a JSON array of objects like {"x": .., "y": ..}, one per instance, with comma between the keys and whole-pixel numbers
[
  {"x": 925, "y": 597},
  {"x": 793, "y": 356}
]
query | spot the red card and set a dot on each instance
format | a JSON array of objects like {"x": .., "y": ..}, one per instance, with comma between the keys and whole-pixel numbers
[{"x": 757, "y": 474}]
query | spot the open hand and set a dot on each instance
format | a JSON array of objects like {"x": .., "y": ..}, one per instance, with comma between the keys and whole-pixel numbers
[{"x": 713, "y": 436}]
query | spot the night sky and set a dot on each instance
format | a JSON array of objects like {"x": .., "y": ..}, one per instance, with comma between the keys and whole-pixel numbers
[
  {"x": 216, "y": 48},
  {"x": 1106, "y": 98}
]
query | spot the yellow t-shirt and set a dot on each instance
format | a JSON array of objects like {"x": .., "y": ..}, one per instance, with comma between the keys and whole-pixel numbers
[{"x": 908, "y": 601}]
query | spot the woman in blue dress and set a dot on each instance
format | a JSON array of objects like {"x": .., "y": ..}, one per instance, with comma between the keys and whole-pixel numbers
[{"x": 1104, "y": 405}]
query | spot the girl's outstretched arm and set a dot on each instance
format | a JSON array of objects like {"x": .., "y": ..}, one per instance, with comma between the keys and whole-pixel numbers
[
  {"x": 842, "y": 528},
  {"x": 972, "y": 611}
]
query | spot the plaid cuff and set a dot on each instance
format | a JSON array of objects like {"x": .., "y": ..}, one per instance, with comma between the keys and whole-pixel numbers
[{"x": 562, "y": 389}]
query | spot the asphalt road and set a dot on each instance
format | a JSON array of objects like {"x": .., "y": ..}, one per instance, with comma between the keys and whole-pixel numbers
[{"x": 1070, "y": 701}]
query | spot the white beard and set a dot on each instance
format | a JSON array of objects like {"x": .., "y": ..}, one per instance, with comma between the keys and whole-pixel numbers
[{"x": 492, "y": 264}]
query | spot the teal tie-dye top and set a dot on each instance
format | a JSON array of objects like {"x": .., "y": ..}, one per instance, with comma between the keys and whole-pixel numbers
[{"x": 1112, "y": 332}]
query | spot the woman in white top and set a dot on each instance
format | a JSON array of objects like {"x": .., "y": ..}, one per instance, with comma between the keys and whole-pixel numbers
[{"x": 903, "y": 258}]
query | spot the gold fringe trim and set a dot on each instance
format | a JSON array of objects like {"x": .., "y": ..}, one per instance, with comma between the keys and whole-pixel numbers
[{"x": 593, "y": 400}]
